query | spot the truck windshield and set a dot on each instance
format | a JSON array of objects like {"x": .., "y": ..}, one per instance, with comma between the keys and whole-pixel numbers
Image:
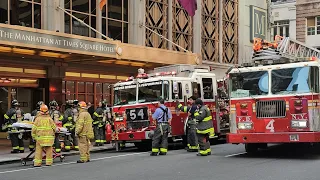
[
  {"x": 295, "y": 80},
  {"x": 247, "y": 84},
  {"x": 152, "y": 91},
  {"x": 125, "y": 94}
]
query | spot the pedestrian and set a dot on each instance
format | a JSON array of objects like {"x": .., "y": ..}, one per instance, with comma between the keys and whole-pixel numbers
[
  {"x": 84, "y": 132},
  {"x": 163, "y": 117},
  {"x": 192, "y": 141},
  {"x": 204, "y": 127},
  {"x": 43, "y": 132}
]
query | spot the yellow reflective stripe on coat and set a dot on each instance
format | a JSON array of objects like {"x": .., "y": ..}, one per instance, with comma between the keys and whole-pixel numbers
[
  {"x": 196, "y": 114},
  {"x": 6, "y": 116},
  {"x": 207, "y": 118},
  {"x": 96, "y": 114},
  {"x": 185, "y": 108},
  {"x": 69, "y": 118},
  {"x": 43, "y": 128},
  {"x": 61, "y": 118},
  {"x": 207, "y": 131},
  {"x": 45, "y": 138},
  {"x": 180, "y": 105}
]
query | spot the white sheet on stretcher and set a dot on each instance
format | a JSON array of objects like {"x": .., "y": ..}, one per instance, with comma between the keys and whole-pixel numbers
[{"x": 29, "y": 126}]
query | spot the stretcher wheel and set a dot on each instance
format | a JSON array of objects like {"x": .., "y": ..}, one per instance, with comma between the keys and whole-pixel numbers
[
  {"x": 61, "y": 158},
  {"x": 23, "y": 162}
]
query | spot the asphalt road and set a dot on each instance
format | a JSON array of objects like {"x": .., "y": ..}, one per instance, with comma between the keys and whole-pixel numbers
[{"x": 228, "y": 162}]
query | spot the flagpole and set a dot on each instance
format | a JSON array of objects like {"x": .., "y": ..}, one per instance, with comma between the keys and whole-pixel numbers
[
  {"x": 165, "y": 38},
  {"x": 82, "y": 22}
]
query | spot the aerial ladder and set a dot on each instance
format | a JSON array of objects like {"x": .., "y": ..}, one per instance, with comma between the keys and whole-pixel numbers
[{"x": 282, "y": 50}]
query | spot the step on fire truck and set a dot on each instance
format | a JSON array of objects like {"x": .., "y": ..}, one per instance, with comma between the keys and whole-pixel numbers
[
  {"x": 136, "y": 100},
  {"x": 276, "y": 98}
]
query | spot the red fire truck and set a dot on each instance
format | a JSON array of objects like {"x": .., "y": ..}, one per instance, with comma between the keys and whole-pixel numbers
[
  {"x": 275, "y": 99},
  {"x": 136, "y": 100}
]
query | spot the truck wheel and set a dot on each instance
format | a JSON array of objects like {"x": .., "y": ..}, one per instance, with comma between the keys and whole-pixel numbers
[
  {"x": 251, "y": 148},
  {"x": 143, "y": 146}
]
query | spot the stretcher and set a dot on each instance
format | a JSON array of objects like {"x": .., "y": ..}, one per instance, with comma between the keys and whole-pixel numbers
[{"x": 26, "y": 127}]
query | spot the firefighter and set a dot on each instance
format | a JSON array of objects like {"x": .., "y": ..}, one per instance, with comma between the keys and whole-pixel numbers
[
  {"x": 43, "y": 132},
  {"x": 13, "y": 115},
  {"x": 192, "y": 145},
  {"x": 98, "y": 124},
  {"x": 37, "y": 110},
  {"x": 84, "y": 132},
  {"x": 57, "y": 118},
  {"x": 204, "y": 127},
  {"x": 69, "y": 123},
  {"x": 163, "y": 117}
]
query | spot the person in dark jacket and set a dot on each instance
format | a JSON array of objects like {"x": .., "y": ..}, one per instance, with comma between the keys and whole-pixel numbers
[
  {"x": 99, "y": 124},
  {"x": 69, "y": 122},
  {"x": 205, "y": 128},
  {"x": 13, "y": 115},
  {"x": 192, "y": 142}
]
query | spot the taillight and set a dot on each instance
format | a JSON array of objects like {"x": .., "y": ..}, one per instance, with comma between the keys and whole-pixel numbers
[
  {"x": 244, "y": 109},
  {"x": 298, "y": 106}
]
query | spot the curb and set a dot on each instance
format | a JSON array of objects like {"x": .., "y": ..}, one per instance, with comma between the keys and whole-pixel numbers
[{"x": 69, "y": 154}]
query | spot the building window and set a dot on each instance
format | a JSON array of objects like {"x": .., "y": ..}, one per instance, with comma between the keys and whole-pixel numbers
[
  {"x": 281, "y": 28},
  {"x": 84, "y": 10},
  {"x": 21, "y": 12},
  {"x": 313, "y": 25},
  {"x": 115, "y": 20},
  {"x": 86, "y": 91}
]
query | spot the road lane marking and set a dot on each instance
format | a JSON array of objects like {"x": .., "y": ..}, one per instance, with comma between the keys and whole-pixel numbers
[
  {"x": 237, "y": 154},
  {"x": 109, "y": 157}
]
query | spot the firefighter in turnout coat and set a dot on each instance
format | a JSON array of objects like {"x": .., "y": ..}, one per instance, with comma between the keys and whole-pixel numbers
[
  {"x": 43, "y": 132},
  {"x": 84, "y": 132},
  {"x": 69, "y": 123},
  {"x": 13, "y": 115},
  {"x": 163, "y": 117},
  {"x": 204, "y": 127},
  {"x": 99, "y": 124},
  {"x": 192, "y": 140},
  {"x": 57, "y": 118}
]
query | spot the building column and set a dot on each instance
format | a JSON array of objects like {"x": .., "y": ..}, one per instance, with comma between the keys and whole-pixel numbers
[
  {"x": 137, "y": 11},
  {"x": 98, "y": 20},
  {"x": 53, "y": 18},
  {"x": 197, "y": 26},
  {"x": 220, "y": 31},
  {"x": 170, "y": 24},
  {"x": 53, "y": 83}
]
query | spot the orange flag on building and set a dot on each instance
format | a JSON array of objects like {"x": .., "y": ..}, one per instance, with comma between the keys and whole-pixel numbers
[{"x": 102, "y": 4}]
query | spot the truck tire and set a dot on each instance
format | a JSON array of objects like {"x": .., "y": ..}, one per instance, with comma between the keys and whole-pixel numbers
[
  {"x": 251, "y": 148},
  {"x": 143, "y": 145}
]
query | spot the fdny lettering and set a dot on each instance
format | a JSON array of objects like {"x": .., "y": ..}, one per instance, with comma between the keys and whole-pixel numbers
[
  {"x": 303, "y": 116},
  {"x": 244, "y": 118}
]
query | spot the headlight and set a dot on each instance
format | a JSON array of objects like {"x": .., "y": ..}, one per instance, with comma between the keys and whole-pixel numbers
[
  {"x": 245, "y": 125},
  {"x": 298, "y": 124},
  {"x": 119, "y": 118}
]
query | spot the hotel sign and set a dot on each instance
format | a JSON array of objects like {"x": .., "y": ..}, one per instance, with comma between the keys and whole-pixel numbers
[
  {"x": 61, "y": 42},
  {"x": 258, "y": 23}
]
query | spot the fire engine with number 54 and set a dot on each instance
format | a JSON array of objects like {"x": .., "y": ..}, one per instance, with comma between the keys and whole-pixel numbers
[
  {"x": 136, "y": 100},
  {"x": 275, "y": 99}
]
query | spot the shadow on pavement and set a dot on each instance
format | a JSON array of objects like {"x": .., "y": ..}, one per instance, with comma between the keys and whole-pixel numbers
[{"x": 305, "y": 151}]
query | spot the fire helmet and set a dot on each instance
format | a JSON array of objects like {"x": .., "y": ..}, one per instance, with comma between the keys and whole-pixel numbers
[
  {"x": 44, "y": 109},
  {"x": 199, "y": 102},
  {"x": 82, "y": 105},
  {"x": 39, "y": 104}
]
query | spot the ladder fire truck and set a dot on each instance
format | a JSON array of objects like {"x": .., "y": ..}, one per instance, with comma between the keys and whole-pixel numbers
[
  {"x": 276, "y": 98},
  {"x": 136, "y": 100}
]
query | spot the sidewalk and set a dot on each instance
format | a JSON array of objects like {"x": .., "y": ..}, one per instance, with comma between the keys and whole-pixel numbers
[{"x": 7, "y": 157}]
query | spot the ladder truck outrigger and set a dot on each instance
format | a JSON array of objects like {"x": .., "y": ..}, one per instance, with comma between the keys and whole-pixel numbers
[
  {"x": 275, "y": 99},
  {"x": 136, "y": 100}
]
